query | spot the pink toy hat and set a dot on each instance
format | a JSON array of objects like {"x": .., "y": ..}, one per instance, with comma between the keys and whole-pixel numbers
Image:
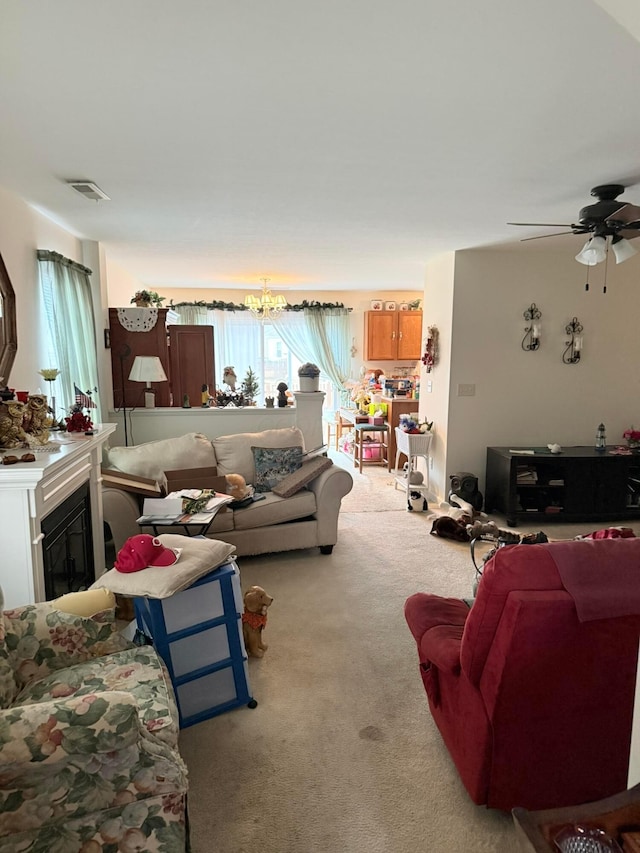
[{"x": 142, "y": 551}]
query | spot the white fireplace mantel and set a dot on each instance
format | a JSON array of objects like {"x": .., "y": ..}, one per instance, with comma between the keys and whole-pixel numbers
[{"x": 29, "y": 491}]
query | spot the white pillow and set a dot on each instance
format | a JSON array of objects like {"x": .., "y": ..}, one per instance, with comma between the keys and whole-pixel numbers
[
  {"x": 152, "y": 459},
  {"x": 198, "y": 558},
  {"x": 235, "y": 456}
]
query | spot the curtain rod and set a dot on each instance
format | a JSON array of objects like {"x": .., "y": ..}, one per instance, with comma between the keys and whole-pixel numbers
[{"x": 56, "y": 257}]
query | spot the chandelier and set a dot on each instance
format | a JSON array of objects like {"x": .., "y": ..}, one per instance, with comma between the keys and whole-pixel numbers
[{"x": 267, "y": 304}]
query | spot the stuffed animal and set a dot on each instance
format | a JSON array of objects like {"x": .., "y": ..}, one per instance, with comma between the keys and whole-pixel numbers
[
  {"x": 237, "y": 486},
  {"x": 254, "y": 619}
]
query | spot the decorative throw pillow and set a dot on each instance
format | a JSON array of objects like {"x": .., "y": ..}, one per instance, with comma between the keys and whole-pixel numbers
[
  {"x": 299, "y": 479},
  {"x": 273, "y": 464}
]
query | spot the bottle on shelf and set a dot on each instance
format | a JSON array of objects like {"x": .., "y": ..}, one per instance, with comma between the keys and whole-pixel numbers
[{"x": 601, "y": 438}]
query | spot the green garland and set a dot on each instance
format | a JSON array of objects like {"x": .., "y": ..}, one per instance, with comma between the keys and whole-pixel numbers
[{"x": 230, "y": 306}]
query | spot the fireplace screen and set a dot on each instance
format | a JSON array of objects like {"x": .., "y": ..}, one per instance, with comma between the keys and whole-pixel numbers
[{"x": 68, "y": 546}]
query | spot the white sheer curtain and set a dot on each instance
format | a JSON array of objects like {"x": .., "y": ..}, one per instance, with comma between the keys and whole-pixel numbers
[
  {"x": 66, "y": 293},
  {"x": 321, "y": 337},
  {"x": 238, "y": 343}
]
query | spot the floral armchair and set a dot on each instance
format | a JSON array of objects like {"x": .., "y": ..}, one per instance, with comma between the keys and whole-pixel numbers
[{"x": 88, "y": 738}]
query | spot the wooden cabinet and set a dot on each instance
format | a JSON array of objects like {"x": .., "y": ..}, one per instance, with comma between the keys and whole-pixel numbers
[
  {"x": 125, "y": 346},
  {"x": 393, "y": 335},
  {"x": 192, "y": 362},
  {"x": 579, "y": 484},
  {"x": 396, "y": 406}
]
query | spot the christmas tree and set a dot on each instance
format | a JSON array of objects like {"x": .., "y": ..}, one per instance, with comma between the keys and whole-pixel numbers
[{"x": 250, "y": 386}]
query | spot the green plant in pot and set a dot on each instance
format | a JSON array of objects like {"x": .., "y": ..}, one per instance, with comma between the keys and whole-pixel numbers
[
  {"x": 309, "y": 376},
  {"x": 145, "y": 298}
]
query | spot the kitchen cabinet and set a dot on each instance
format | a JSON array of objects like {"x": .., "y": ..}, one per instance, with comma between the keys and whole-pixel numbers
[
  {"x": 579, "y": 484},
  {"x": 397, "y": 406},
  {"x": 393, "y": 335}
]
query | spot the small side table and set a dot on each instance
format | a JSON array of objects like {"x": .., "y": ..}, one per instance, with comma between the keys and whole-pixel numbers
[
  {"x": 359, "y": 445},
  {"x": 198, "y": 634}
]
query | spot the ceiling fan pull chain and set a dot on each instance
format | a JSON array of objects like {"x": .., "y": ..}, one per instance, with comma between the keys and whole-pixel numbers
[
  {"x": 606, "y": 262},
  {"x": 586, "y": 287}
]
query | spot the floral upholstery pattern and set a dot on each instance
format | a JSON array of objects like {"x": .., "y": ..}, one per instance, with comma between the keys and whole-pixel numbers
[{"x": 88, "y": 739}]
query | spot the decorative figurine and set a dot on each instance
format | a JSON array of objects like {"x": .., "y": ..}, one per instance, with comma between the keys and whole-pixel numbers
[
  {"x": 229, "y": 378},
  {"x": 185, "y": 402},
  {"x": 205, "y": 395},
  {"x": 282, "y": 397},
  {"x": 254, "y": 619},
  {"x": 11, "y": 432},
  {"x": 269, "y": 401},
  {"x": 36, "y": 421}
]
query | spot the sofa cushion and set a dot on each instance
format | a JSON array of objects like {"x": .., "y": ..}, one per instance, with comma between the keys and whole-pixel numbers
[
  {"x": 273, "y": 464},
  {"x": 36, "y": 639},
  {"x": 152, "y": 459},
  {"x": 275, "y": 510},
  {"x": 137, "y": 671},
  {"x": 234, "y": 455}
]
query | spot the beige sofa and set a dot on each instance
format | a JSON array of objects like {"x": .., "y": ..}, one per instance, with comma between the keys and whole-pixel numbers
[{"x": 307, "y": 519}]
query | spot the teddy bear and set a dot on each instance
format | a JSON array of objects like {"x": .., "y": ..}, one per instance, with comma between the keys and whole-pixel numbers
[{"x": 237, "y": 486}]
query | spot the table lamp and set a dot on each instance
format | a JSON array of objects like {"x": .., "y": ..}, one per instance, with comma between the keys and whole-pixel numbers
[{"x": 148, "y": 368}]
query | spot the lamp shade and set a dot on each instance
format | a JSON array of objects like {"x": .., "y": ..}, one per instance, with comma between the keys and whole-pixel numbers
[
  {"x": 593, "y": 252},
  {"x": 147, "y": 368},
  {"x": 622, "y": 249}
]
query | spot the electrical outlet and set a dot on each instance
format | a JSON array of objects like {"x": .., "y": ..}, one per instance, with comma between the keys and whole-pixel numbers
[{"x": 466, "y": 390}]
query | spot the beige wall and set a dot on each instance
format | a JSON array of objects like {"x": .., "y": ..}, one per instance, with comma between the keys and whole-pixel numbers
[
  {"x": 22, "y": 232},
  {"x": 532, "y": 398}
]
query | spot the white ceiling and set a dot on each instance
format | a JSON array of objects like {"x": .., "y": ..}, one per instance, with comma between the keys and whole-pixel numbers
[{"x": 327, "y": 145}]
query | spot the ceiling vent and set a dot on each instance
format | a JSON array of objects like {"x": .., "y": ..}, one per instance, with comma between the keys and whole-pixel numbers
[{"x": 89, "y": 190}]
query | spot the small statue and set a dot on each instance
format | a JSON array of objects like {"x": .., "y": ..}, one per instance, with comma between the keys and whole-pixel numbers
[
  {"x": 11, "y": 432},
  {"x": 254, "y": 619},
  {"x": 282, "y": 397},
  {"x": 205, "y": 395},
  {"x": 37, "y": 422},
  {"x": 229, "y": 377},
  {"x": 185, "y": 402},
  {"x": 269, "y": 401}
]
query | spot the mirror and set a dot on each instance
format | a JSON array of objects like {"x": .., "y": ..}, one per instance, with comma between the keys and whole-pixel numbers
[{"x": 8, "y": 328}]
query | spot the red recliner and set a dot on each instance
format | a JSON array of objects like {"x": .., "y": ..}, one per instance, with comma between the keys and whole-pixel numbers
[{"x": 533, "y": 687}]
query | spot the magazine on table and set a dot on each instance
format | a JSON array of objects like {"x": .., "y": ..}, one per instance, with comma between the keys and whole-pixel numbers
[{"x": 170, "y": 510}]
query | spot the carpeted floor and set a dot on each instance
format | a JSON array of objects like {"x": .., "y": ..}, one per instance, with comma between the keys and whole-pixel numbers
[{"x": 341, "y": 755}]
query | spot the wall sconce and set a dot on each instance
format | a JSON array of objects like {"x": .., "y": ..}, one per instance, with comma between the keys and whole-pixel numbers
[
  {"x": 531, "y": 340},
  {"x": 571, "y": 355}
]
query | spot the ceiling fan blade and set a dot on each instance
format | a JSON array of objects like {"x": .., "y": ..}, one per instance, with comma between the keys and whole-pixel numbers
[
  {"x": 542, "y": 224},
  {"x": 544, "y": 236},
  {"x": 627, "y": 214}
]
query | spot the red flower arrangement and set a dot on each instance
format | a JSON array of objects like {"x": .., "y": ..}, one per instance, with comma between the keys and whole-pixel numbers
[
  {"x": 631, "y": 434},
  {"x": 78, "y": 421}
]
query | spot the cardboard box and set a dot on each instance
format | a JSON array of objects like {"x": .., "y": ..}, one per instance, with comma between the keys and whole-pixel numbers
[
  {"x": 195, "y": 478},
  {"x": 131, "y": 483}
]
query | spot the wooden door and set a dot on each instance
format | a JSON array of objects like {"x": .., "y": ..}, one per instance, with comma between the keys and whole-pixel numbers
[
  {"x": 125, "y": 346},
  {"x": 409, "y": 335},
  {"x": 192, "y": 362},
  {"x": 380, "y": 335}
]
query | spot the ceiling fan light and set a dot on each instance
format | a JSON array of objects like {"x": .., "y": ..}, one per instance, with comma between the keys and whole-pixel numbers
[
  {"x": 622, "y": 249},
  {"x": 593, "y": 252}
]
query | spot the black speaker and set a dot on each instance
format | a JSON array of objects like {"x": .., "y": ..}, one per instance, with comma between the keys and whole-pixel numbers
[{"x": 464, "y": 484}]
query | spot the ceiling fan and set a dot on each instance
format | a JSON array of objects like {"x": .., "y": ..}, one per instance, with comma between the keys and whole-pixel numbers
[{"x": 610, "y": 222}]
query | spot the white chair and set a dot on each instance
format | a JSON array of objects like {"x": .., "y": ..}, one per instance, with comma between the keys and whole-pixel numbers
[{"x": 414, "y": 446}]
